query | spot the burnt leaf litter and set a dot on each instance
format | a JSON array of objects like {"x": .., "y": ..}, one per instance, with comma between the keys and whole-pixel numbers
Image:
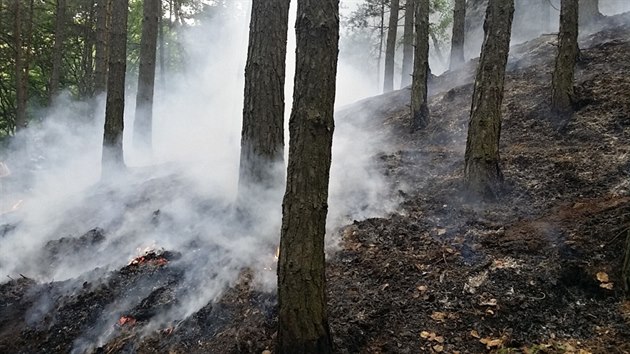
[{"x": 538, "y": 271}]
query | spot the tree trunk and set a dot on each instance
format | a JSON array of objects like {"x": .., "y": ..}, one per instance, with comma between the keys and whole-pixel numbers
[
  {"x": 625, "y": 271},
  {"x": 20, "y": 75},
  {"x": 457, "y": 42},
  {"x": 482, "y": 174},
  {"x": 113, "y": 161},
  {"x": 562, "y": 79},
  {"x": 380, "y": 45},
  {"x": 589, "y": 12},
  {"x": 302, "y": 318},
  {"x": 143, "y": 123},
  {"x": 390, "y": 50},
  {"x": 57, "y": 50},
  {"x": 102, "y": 30},
  {"x": 419, "y": 105},
  {"x": 262, "y": 137},
  {"x": 161, "y": 49},
  {"x": 407, "y": 63},
  {"x": 86, "y": 89}
]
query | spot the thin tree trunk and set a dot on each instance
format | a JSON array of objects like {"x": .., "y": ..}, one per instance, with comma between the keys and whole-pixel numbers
[
  {"x": 419, "y": 99},
  {"x": 57, "y": 50},
  {"x": 482, "y": 174},
  {"x": 161, "y": 49},
  {"x": 302, "y": 317},
  {"x": 20, "y": 87},
  {"x": 262, "y": 137},
  {"x": 407, "y": 63},
  {"x": 143, "y": 123},
  {"x": 380, "y": 45},
  {"x": 87, "y": 60},
  {"x": 102, "y": 29},
  {"x": 457, "y": 42},
  {"x": 562, "y": 80},
  {"x": 113, "y": 161},
  {"x": 390, "y": 51},
  {"x": 625, "y": 270}
]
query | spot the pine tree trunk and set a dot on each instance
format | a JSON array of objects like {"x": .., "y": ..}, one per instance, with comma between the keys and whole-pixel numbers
[
  {"x": 419, "y": 104},
  {"x": 482, "y": 174},
  {"x": 589, "y": 12},
  {"x": 625, "y": 271},
  {"x": 113, "y": 161},
  {"x": 262, "y": 136},
  {"x": 20, "y": 80},
  {"x": 390, "y": 50},
  {"x": 86, "y": 89},
  {"x": 457, "y": 42},
  {"x": 380, "y": 44},
  {"x": 143, "y": 123},
  {"x": 407, "y": 63},
  {"x": 102, "y": 30},
  {"x": 302, "y": 318},
  {"x": 162, "y": 49},
  {"x": 562, "y": 79},
  {"x": 57, "y": 50}
]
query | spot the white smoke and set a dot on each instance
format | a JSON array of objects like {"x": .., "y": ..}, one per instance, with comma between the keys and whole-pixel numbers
[{"x": 177, "y": 199}]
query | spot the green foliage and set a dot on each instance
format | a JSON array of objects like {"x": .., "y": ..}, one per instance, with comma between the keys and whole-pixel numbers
[
  {"x": 78, "y": 63},
  {"x": 362, "y": 28}
]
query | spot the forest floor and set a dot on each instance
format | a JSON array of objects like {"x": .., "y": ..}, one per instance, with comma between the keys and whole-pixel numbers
[{"x": 537, "y": 271}]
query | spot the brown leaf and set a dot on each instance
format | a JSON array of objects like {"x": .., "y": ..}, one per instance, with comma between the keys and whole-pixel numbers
[
  {"x": 491, "y": 343},
  {"x": 438, "y": 348},
  {"x": 602, "y": 277},
  {"x": 425, "y": 334},
  {"x": 438, "y": 316},
  {"x": 475, "y": 334},
  {"x": 608, "y": 286}
]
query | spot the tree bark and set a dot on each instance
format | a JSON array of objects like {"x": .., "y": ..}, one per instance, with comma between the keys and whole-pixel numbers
[
  {"x": 102, "y": 30},
  {"x": 161, "y": 49},
  {"x": 113, "y": 161},
  {"x": 302, "y": 318},
  {"x": 20, "y": 75},
  {"x": 143, "y": 122},
  {"x": 55, "y": 75},
  {"x": 407, "y": 63},
  {"x": 625, "y": 270},
  {"x": 562, "y": 79},
  {"x": 589, "y": 12},
  {"x": 380, "y": 45},
  {"x": 482, "y": 174},
  {"x": 262, "y": 136},
  {"x": 419, "y": 104},
  {"x": 390, "y": 50},
  {"x": 457, "y": 42}
]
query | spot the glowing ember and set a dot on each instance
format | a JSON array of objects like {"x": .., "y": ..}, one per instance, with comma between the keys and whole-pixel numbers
[
  {"x": 126, "y": 320},
  {"x": 151, "y": 257}
]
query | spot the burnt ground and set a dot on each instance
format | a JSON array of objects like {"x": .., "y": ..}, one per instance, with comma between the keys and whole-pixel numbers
[{"x": 536, "y": 271}]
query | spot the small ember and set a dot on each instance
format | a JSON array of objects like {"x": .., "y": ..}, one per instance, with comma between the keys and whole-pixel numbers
[
  {"x": 153, "y": 257},
  {"x": 126, "y": 320}
]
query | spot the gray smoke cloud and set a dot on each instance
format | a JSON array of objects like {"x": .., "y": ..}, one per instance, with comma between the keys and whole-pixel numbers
[{"x": 177, "y": 199}]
